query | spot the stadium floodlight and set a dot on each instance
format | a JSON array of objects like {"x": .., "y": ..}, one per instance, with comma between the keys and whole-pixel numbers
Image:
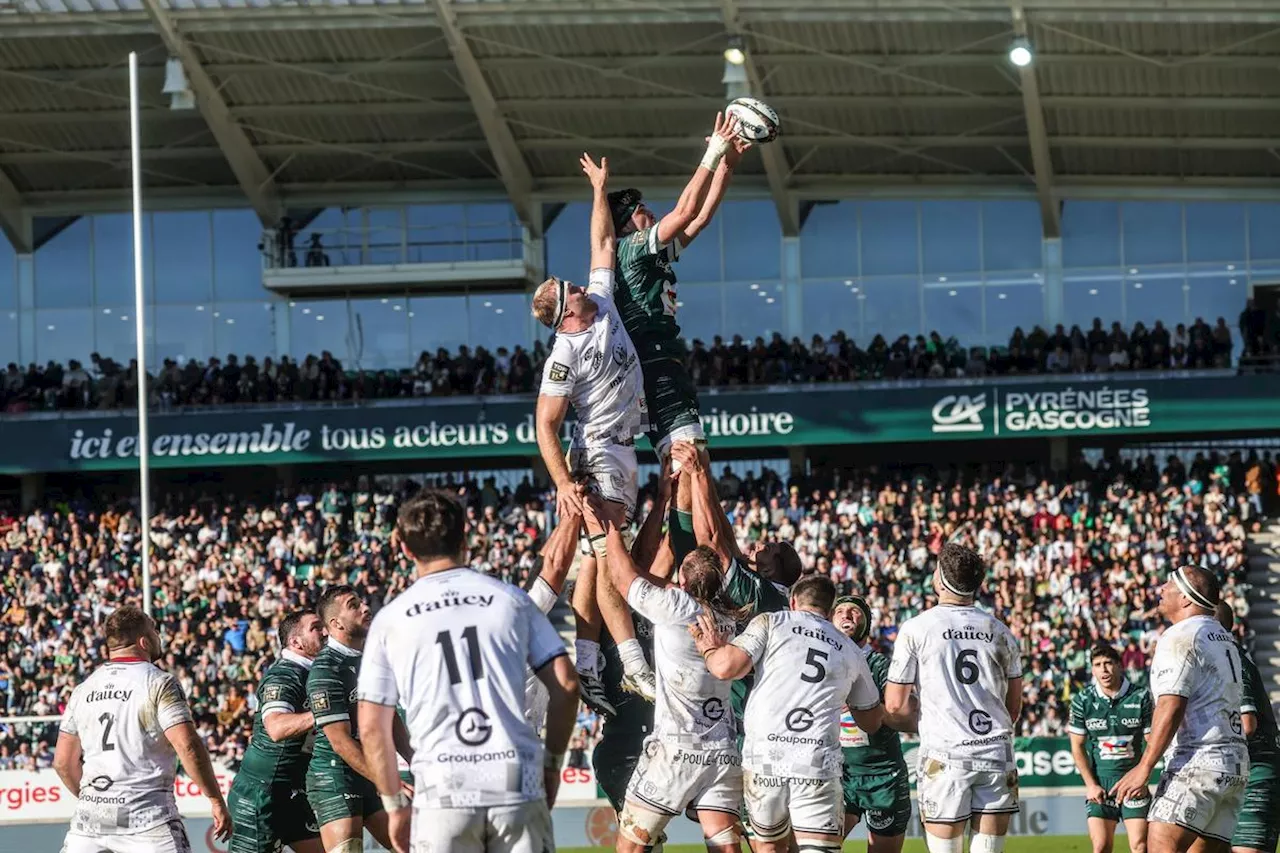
[
  {"x": 736, "y": 84},
  {"x": 735, "y": 53},
  {"x": 1021, "y": 53},
  {"x": 176, "y": 86}
]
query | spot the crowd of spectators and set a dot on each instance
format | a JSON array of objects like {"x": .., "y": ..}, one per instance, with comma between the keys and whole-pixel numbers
[
  {"x": 106, "y": 384},
  {"x": 1074, "y": 556}
]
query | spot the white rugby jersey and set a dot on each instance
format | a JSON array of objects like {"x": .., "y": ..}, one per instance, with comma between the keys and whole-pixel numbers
[
  {"x": 598, "y": 370},
  {"x": 1199, "y": 660},
  {"x": 452, "y": 650},
  {"x": 806, "y": 672},
  {"x": 692, "y": 708},
  {"x": 961, "y": 660},
  {"x": 120, "y": 714},
  {"x": 536, "y": 697}
]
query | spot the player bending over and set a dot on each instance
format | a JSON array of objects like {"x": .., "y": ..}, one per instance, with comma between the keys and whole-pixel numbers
[
  {"x": 1258, "y": 829},
  {"x": 1195, "y": 678},
  {"x": 690, "y": 762},
  {"x": 1108, "y": 725},
  {"x": 876, "y": 783},
  {"x": 340, "y": 780},
  {"x": 121, "y": 731},
  {"x": 594, "y": 366},
  {"x": 966, "y": 668},
  {"x": 268, "y": 799},
  {"x": 806, "y": 673},
  {"x": 453, "y": 649}
]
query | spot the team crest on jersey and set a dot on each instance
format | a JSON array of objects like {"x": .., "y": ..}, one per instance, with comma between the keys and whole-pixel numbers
[
  {"x": 271, "y": 692},
  {"x": 319, "y": 701},
  {"x": 559, "y": 372}
]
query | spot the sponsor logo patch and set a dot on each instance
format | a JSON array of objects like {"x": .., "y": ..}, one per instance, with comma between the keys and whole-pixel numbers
[{"x": 559, "y": 372}]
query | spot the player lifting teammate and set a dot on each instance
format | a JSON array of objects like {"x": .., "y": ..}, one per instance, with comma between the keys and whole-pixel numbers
[
  {"x": 807, "y": 672},
  {"x": 690, "y": 761},
  {"x": 453, "y": 650},
  {"x": 1195, "y": 677},
  {"x": 121, "y": 731},
  {"x": 593, "y": 365},
  {"x": 268, "y": 799},
  {"x": 876, "y": 783},
  {"x": 1108, "y": 725},
  {"x": 967, "y": 670},
  {"x": 340, "y": 783}
]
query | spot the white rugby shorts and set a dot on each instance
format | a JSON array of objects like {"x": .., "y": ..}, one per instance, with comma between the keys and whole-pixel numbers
[
  {"x": 168, "y": 837},
  {"x": 778, "y": 804},
  {"x": 523, "y": 828},
  {"x": 1204, "y": 799},
  {"x": 951, "y": 791},
  {"x": 611, "y": 470},
  {"x": 669, "y": 779}
]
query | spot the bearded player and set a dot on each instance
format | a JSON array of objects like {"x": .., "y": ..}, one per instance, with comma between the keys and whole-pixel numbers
[
  {"x": 876, "y": 783},
  {"x": 268, "y": 799},
  {"x": 1108, "y": 725},
  {"x": 340, "y": 779},
  {"x": 594, "y": 366}
]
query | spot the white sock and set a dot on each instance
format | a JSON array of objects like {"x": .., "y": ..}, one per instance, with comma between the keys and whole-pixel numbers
[
  {"x": 586, "y": 654},
  {"x": 633, "y": 662}
]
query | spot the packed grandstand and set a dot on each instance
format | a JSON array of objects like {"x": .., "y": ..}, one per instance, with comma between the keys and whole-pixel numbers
[{"x": 1073, "y": 557}]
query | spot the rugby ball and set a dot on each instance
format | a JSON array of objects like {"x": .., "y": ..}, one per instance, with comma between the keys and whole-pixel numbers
[{"x": 758, "y": 122}]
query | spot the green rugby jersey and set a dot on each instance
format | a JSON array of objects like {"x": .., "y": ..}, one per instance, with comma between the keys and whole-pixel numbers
[
  {"x": 331, "y": 690},
  {"x": 875, "y": 753},
  {"x": 283, "y": 688},
  {"x": 752, "y": 595},
  {"x": 1115, "y": 730},
  {"x": 646, "y": 299},
  {"x": 1264, "y": 744}
]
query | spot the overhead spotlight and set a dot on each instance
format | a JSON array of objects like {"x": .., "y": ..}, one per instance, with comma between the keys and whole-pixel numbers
[
  {"x": 1021, "y": 53},
  {"x": 735, "y": 52},
  {"x": 176, "y": 86},
  {"x": 736, "y": 84}
]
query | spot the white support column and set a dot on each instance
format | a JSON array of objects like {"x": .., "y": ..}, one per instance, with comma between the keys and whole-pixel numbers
[
  {"x": 1038, "y": 137},
  {"x": 14, "y": 220},
  {"x": 26, "y": 308}
]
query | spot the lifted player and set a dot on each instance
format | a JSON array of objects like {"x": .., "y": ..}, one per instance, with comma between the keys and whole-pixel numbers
[
  {"x": 806, "y": 673},
  {"x": 122, "y": 730},
  {"x": 1258, "y": 830},
  {"x": 876, "y": 782},
  {"x": 340, "y": 784},
  {"x": 1195, "y": 678},
  {"x": 594, "y": 366},
  {"x": 967, "y": 670},
  {"x": 1108, "y": 725},
  {"x": 268, "y": 799}
]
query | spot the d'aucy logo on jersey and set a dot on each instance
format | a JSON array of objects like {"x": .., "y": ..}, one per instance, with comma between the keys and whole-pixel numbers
[{"x": 959, "y": 413}]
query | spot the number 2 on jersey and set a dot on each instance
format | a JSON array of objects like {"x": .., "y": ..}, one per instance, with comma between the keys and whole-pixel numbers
[
  {"x": 445, "y": 641},
  {"x": 107, "y": 722}
]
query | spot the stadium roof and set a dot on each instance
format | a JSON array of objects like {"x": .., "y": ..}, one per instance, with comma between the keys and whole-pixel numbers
[{"x": 338, "y": 101}]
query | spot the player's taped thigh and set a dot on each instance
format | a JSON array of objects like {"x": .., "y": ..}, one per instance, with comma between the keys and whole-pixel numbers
[
  {"x": 642, "y": 826},
  {"x": 984, "y": 843},
  {"x": 934, "y": 844},
  {"x": 727, "y": 837},
  {"x": 348, "y": 845}
]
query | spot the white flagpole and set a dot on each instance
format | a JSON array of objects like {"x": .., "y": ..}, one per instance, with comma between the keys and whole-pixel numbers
[{"x": 140, "y": 326}]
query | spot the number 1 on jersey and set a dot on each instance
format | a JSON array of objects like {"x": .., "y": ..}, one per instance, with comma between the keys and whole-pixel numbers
[{"x": 445, "y": 641}]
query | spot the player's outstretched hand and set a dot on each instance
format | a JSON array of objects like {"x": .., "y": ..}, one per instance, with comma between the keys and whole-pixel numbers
[
  {"x": 1133, "y": 786},
  {"x": 593, "y": 513},
  {"x": 568, "y": 501},
  {"x": 738, "y": 146},
  {"x": 1094, "y": 794},
  {"x": 706, "y": 634},
  {"x": 221, "y": 819},
  {"x": 686, "y": 456},
  {"x": 597, "y": 174}
]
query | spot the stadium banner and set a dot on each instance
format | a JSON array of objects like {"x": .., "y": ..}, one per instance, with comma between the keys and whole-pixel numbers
[
  {"x": 766, "y": 418},
  {"x": 595, "y": 827}
]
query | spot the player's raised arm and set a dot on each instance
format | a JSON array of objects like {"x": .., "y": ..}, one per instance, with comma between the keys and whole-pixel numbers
[
  {"x": 648, "y": 547},
  {"x": 603, "y": 238},
  {"x": 557, "y": 559},
  {"x": 719, "y": 186},
  {"x": 601, "y": 520},
  {"x": 690, "y": 201},
  {"x": 710, "y": 525}
]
